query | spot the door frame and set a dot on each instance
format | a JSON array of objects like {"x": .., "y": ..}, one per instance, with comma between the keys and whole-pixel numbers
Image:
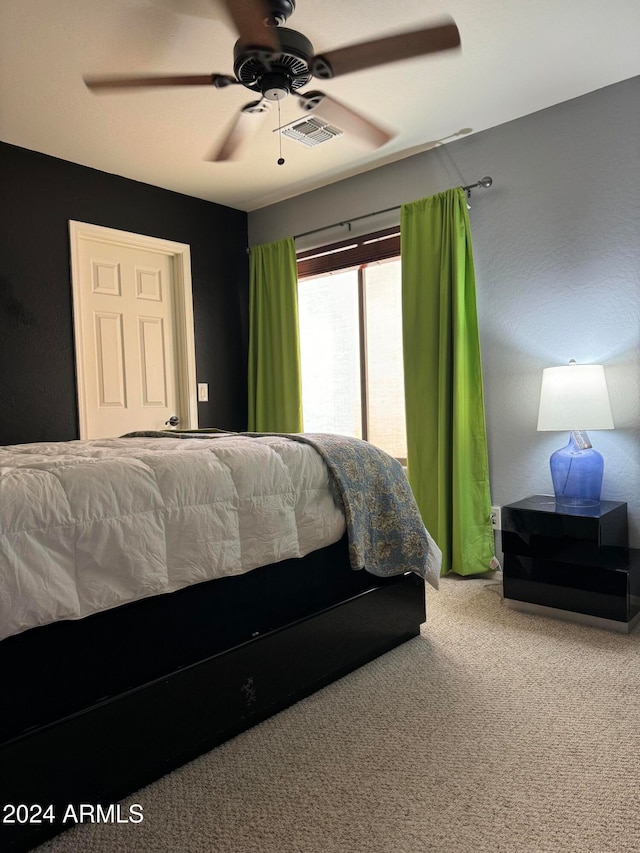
[{"x": 182, "y": 306}]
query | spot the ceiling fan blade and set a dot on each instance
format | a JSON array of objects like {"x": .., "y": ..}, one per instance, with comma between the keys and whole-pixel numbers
[
  {"x": 367, "y": 132},
  {"x": 368, "y": 54},
  {"x": 245, "y": 125},
  {"x": 111, "y": 82},
  {"x": 248, "y": 17}
]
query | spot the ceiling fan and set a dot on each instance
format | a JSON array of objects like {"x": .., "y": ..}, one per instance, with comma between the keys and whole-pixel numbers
[{"x": 274, "y": 62}]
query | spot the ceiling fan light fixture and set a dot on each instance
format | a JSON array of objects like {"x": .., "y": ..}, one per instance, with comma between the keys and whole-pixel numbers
[{"x": 275, "y": 85}]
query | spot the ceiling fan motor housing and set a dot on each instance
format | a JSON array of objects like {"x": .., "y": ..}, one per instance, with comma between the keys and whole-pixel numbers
[{"x": 275, "y": 75}]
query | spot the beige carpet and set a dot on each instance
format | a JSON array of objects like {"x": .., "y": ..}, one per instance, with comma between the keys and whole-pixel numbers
[{"x": 494, "y": 731}]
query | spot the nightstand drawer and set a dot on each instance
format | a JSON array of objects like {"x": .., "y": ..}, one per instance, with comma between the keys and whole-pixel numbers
[
  {"x": 536, "y": 528},
  {"x": 606, "y": 593}
]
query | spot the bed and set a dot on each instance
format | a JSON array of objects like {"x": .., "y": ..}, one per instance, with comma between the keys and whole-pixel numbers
[{"x": 160, "y": 593}]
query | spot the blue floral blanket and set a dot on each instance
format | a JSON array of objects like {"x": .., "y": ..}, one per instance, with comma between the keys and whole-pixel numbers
[{"x": 385, "y": 530}]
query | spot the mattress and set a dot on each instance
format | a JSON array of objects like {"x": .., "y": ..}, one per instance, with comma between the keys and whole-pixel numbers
[{"x": 89, "y": 525}]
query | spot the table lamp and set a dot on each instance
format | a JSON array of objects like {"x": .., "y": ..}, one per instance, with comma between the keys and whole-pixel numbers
[{"x": 575, "y": 398}]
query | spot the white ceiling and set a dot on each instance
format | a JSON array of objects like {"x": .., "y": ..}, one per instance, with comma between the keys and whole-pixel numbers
[{"x": 517, "y": 57}]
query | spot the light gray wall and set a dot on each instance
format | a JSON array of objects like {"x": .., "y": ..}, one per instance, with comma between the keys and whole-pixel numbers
[{"x": 557, "y": 253}]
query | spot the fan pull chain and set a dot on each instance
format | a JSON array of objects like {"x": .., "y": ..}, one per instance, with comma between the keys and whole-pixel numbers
[{"x": 281, "y": 158}]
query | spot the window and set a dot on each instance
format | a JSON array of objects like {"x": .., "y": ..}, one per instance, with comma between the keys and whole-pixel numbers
[{"x": 349, "y": 299}]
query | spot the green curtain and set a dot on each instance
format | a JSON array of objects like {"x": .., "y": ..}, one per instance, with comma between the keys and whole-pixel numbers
[
  {"x": 275, "y": 387},
  {"x": 446, "y": 435}
]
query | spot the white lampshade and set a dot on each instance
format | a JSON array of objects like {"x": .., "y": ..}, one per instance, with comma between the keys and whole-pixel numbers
[{"x": 574, "y": 397}]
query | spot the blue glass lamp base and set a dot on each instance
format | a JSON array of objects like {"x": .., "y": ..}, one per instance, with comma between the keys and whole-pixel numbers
[{"x": 576, "y": 471}]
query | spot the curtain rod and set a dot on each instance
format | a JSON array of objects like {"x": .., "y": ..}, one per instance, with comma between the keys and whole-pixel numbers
[{"x": 483, "y": 182}]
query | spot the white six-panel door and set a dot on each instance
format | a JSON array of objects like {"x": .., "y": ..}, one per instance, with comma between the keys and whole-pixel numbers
[{"x": 133, "y": 320}]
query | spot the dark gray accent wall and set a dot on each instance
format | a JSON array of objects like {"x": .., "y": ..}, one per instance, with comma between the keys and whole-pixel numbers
[
  {"x": 40, "y": 194},
  {"x": 557, "y": 254}
]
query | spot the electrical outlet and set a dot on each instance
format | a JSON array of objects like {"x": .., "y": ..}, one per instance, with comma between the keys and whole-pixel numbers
[{"x": 496, "y": 518}]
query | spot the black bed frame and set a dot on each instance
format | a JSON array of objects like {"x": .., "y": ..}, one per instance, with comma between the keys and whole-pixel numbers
[{"x": 95, "y": 709}]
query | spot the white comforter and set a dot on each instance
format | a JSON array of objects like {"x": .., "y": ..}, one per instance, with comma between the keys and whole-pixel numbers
[{"x": 89, "y": 525}]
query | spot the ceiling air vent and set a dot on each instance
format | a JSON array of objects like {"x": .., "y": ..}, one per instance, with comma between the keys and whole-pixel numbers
[{"x": 312, "y": 131}]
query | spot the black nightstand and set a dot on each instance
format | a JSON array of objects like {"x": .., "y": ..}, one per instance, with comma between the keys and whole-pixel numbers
[{"x": 571, "y": 562}]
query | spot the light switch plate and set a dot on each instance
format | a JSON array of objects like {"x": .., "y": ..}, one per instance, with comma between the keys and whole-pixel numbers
[{"x": 203, "y": 392}]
